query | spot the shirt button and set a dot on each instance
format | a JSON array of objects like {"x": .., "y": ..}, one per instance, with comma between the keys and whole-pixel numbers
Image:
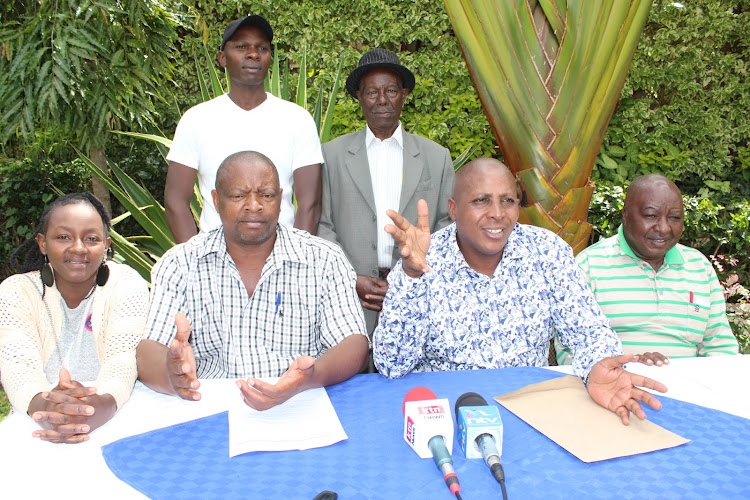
[{"x": 374, "y": 246}]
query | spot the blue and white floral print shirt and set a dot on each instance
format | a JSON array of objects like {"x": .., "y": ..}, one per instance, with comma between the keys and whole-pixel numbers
[{"x": 454, "y": 318}]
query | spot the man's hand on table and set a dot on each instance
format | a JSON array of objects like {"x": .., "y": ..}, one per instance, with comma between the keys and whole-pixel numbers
[
  {"x": 262, "y": 395},
  {"x": 616, "y": 389},
  {"x": 70, "y": 411},
  {"x": 181, "y": 362},
  {"x": 653, "y": 358}
]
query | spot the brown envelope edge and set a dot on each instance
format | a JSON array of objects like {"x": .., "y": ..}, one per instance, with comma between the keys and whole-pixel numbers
[{"x": 562, "y": 410}]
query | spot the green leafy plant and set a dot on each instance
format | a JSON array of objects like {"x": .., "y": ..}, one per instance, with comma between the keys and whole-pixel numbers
[
  {"x": 83, "y": 67},
  {"x": 737, "y": 297},
  {"x": 4, "y": 404},
  {"x": 683, "y": 109}
]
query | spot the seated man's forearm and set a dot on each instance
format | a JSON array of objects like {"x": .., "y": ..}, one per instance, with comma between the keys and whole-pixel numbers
[
  {"x": 341, "y": 362},
  {"x": 152, "y": 366}
]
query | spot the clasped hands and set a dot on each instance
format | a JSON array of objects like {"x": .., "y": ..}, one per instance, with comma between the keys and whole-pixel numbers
[
  {"x": 256, "y": 393},
  {"x": 70, "y": 411}
]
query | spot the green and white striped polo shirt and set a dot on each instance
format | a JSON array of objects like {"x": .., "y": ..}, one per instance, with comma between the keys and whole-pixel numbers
[{"x": 678, "y": 310}]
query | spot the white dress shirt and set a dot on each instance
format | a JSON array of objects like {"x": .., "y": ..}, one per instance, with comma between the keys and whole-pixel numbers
[{"x": 386, "y": 160}]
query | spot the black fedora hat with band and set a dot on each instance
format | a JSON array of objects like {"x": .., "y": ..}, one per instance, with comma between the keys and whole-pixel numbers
[
  {"x": 254, "y": 20},
  {"x": 378, "y": 58}
]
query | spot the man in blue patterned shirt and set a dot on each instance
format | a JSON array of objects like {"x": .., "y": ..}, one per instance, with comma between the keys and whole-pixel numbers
[
  {"x": 487, "y": 292},
  {"x": 252, "y": 298}
]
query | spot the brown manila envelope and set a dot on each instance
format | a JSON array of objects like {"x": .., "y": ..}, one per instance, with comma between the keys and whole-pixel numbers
[{"x": 562, "y": 410}]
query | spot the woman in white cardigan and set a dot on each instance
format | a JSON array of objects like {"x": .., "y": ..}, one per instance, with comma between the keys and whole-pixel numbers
[{"x": 70, "y": 316}]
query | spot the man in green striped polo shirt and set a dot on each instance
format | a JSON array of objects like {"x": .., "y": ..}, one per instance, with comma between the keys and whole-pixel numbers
[{"x": 663, "y": 299}]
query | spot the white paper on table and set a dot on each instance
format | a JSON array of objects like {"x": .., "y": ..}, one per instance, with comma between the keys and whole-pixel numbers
[{"x": 308, "y": 420}]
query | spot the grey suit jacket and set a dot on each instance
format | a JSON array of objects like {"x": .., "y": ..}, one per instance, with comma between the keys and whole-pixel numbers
[{"x": 348, "y": 217}]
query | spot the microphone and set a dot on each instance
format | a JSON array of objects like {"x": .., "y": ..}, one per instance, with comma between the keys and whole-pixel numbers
[
  {"x": 428, "y": 428},
  {"x": 480, "y": 431}
]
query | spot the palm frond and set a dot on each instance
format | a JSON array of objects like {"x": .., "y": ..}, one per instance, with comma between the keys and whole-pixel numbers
[{"x": 548, "y": 74}]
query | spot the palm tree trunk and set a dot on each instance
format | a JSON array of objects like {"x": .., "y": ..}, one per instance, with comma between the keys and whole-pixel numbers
[{"x": 100, "y": 190}]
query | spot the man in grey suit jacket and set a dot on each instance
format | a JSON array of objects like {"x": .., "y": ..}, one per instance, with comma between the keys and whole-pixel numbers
[{"x": 376, "y": 169}]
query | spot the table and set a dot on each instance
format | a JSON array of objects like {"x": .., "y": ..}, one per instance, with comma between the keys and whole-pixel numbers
[{"x": 720, "y": 383}]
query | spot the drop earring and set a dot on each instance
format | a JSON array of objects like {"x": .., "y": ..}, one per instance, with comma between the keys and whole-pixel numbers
[
  {"x": 48, "y": 276},
  {"x": 102, "y": 275}
]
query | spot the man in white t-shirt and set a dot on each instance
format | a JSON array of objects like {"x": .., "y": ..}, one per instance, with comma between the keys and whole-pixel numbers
[{"x": 246, "y": 118}]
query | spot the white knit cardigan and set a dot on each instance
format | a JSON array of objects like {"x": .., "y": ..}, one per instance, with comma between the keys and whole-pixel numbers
[{"x": 28, "y": 340}]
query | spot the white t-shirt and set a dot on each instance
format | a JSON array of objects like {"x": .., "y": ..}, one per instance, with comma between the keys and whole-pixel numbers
[{"x": 209, "y": 132}]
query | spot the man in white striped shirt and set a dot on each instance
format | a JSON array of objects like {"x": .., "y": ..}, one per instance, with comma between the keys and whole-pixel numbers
[
  {"x": 376, "y": 169},
  {"x": 252, "y": 298}
]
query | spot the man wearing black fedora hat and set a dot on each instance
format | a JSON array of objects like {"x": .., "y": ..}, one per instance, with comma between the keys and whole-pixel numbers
[
  {"x": 246, "y": 118},
  {"x": 378, "y": 168}
]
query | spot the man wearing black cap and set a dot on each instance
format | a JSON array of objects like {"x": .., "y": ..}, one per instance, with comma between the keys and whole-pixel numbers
[
  {"x": 376, "y": 169},
  {"x": 246, "y": 118}
]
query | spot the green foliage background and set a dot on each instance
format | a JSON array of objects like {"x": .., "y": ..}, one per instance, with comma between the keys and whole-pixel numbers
[
  {"x": 443, "y": 106},
  {"x": 82, "y": 66},
  {"x": 683, "y": 111}
]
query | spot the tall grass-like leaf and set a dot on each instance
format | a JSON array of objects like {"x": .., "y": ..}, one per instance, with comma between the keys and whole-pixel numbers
[
  {"x": 318, "y": 109},
  {"x": 302, "y": 82},
  {"x": 202, "y": 82},
  {"x": 158, "y": 228},
  {"x": 548, "y": 74},
  {"x": 196, "y": 202},
  {"x": 465, "y": 155},
  {"x": 325, "y": 127},
  {"x": 284, "y": 91},
  {"x": 150, "y": 137},
  {"x": 275, "y": 75},
  {"x": 131, "y": 254},
  {"x": 218, "y": 89}
]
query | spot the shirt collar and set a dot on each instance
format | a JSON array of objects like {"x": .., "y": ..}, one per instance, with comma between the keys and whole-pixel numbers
[
  {"x": 672, "y": 257},
  {"x": 514, "y": 248},
  {"x": 214, "y": 242},
  {"x": 286, "y": 247},
  {"x": 398, "y": 135}
]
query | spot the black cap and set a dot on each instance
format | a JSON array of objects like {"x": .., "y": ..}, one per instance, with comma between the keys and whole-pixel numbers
[
  {"x": 254, "y": 20},
  {"x": 378, "y": 58}
]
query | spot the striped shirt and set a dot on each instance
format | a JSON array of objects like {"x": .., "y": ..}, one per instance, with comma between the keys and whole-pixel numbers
[
  {"x": 386, "y": 160},
  {"x": 678, "y": 311},
  {"x": 304, "y": 303}
]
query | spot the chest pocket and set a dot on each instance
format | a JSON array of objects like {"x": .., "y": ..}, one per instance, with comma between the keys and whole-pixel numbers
[
  {"x": 696, "y": 320},
  {"x": 425, "y": 186},
  {"x": 294, "y": 324}
]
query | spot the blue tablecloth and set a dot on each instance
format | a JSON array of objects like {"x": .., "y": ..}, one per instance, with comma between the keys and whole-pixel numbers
[{"x": 191, "y": 460}]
